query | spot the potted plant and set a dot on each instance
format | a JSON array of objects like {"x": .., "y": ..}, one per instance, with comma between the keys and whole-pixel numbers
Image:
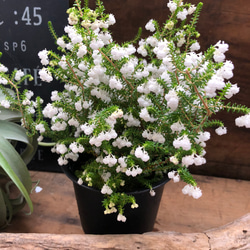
[
  {"x": 15, "y": 180},
  {"x": 137, "y": 112}
]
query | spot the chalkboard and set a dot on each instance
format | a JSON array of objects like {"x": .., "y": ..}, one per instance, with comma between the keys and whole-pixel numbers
[{"x": 23, "y": 33}]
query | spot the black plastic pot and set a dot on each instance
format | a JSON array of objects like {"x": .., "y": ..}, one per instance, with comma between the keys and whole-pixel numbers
[{"x": 94, "y": 221}]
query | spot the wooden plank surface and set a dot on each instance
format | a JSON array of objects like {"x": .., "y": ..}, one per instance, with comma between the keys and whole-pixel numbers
[
  {"x": 55, "y": 211},
  {"x": 235, "y": 235}
]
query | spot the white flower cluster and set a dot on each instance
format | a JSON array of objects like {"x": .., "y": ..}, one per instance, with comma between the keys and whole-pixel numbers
[
  {"x": 221, "y": 48},
  {"x": 189, "y": 160},
  {"x": 174, "y": 176},
  {"x": 76, "y": 148},
  {"x": 195, "y": 192},
  {"x": 106, "y": 189},
  {"x": 234, "y": 89},
  {"x": 172, "y": 6},
  {"x": 3, "y": 68},
  {"x": 121, "y": 142},
  {"x": 19, "y": 74},
  {"x": 111, "y": 209},
  {"x": 152, "y": 192},
  {"x": 146, "y": 116},
  {"x": 202, "y": 138},
  {"x": 115, "y": 83},
  {"x": 43, "y": 55},
  {"x": 177, "y": 127},
  {"x": 243, "y": 121},
  {"x": 182, "y": 15},
  {"x": 103, "y": 136},
  {"x": 221, "y": 130},
  {"x": 110, "y": 160},
  {"x": 45, "y": 75},
  {"x": 67, "y": 153},
  {"x": 121, "y": 217},
  {"x": 150, "y": 86},
  {"x": 111, "y": 120},
  {"x": 50, "y": 111},
  {"x": 133, "y": 171},
  {"x": 101, "y": 94},
  {"x": 144, "y": 101},
  {"x": 157, "y": 137},
  {"x": 174, "y": 160},
  {"x": 5, "y": 104},
  {"x": 40, "y": 128},
  {"x": 3, "y": 80},
  {"x": 59, "y": 126},
  {"x": 123, "y": 165},
  {"x": 172, "y": 100},
  {"x": 132, "y": 121},
  {"x": 150, "y": 26},
  {"x": 87, "y": 128},
  {"x": 28, "y": 105},
  {"x": 142, "y": 154},
  {"x": 118, "y": 52},
  {"x": 182, "y": 142}
]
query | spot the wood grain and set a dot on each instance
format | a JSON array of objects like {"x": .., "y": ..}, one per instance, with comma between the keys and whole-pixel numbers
[
  {"x": 55, "y": 209},
  {"x": 235, "y": 235}
]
